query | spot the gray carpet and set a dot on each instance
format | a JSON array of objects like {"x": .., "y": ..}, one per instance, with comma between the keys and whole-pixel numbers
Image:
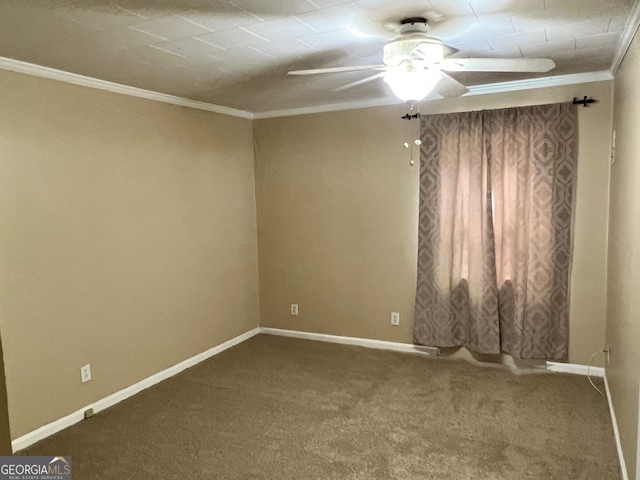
[{"x": 280, "y": 408}]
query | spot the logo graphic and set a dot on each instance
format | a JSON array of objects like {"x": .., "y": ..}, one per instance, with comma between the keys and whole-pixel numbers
[{"x": 35, "y": 468}]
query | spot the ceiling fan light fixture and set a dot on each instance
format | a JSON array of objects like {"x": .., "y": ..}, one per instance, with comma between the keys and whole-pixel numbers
[
  {"x": 412, "y": 84},
  {"x": 416, "y": 63}
]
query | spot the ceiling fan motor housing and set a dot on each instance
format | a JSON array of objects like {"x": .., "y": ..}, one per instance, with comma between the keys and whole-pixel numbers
[{"x": 413, "y": 47}]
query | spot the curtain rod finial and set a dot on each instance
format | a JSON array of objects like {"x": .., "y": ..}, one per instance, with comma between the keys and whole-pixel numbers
[{"x": 584, "y": 102}]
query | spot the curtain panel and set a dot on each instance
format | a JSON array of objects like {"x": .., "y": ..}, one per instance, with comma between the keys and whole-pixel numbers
[{"x": 494, "y": 246}]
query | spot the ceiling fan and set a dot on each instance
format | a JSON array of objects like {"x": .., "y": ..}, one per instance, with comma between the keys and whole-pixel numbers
[{"x": 415, "y": 64}]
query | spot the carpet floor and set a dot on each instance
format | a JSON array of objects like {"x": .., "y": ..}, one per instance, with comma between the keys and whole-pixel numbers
[{"x": 282, "y": 408}]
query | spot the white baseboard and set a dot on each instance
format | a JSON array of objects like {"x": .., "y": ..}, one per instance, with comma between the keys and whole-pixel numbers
[
  {"x": 616, "y": 432},
  {"x": 77, "y": 416},
  {"x": 573, "y": 368},
  {"x": 360, "y": 342},
  {"x": 596, "y": 372},
  {"x": 576, "y": 369},
  {"x": 411, "y": 348}
]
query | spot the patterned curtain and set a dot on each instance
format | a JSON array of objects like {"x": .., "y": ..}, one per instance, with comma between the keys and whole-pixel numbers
[{"x": 494, "y": 251}]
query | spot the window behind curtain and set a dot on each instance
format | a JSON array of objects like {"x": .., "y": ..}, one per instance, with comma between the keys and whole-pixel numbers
[{"x": 496, "y": 199}]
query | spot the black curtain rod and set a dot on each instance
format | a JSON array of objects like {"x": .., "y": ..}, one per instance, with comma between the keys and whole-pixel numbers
[{"x": 584, "y": 102}]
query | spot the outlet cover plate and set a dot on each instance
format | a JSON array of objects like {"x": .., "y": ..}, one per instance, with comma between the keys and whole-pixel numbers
[{"x": 85, "y": 373}]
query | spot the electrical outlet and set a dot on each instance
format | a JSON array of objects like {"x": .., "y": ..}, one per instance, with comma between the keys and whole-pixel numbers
[
  {"x": 85, "y": 373},
  {"x": 395, "y": 318},
  {"x": 294, "y": 309}
]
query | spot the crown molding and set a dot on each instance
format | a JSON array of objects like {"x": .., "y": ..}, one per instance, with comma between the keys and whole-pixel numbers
[
  {"x": 54, "y": 74},
  {"x": 626, "y": 38},
  {"x": 543, "y": 82},
  {"x": 67, "y": 77},
  {"x": 290, "y": 112}
]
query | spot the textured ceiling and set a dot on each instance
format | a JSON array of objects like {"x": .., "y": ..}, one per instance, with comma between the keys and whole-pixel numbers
[{"x": 236, "y": 53}]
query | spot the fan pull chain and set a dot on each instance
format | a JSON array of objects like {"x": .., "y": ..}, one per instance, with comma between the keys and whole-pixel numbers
[
  {"x": 412, "y": 130},
  {"x": 406, "y": 144}
]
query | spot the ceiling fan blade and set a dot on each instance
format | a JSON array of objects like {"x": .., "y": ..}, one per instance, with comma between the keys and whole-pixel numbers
[
  {"x": 360, "y": 82},
  {"x": 449, "y": 87},
  {"x": 496, "y": 64},
  {"x": 316, "y": 71}
]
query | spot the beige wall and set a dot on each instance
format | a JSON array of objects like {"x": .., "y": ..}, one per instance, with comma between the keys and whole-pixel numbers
[
  {"x": 337, "y": 218},
  {"x": 128, "y": 240},
  {"x": 129, "y": 232},
  {"x": 623, "y": 320}
]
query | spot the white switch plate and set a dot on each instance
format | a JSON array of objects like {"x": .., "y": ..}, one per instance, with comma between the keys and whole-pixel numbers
[
  {"x": 294, "y": 309},
  {"x": 395, "y": 318},
  {"x": 85, "y": 373}
]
